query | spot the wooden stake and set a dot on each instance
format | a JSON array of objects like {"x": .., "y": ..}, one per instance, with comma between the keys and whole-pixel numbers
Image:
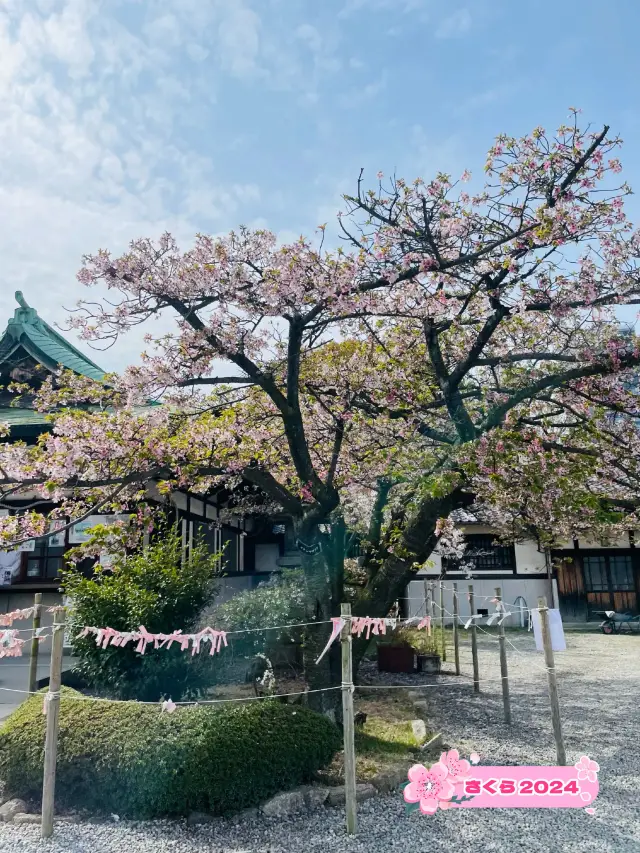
[
  {"x": 35, "y": 644},
  {"x": 551, "y": 679},
  {"x": 504, "y": 673},
  {"x": 427, "y": 598},
  {"x": 53, "y": 711},
  {"x": 474, "y": 643},
  {"x": 347, "y": 722},
  {"x": 456, "y": 638},
  {"x": 442, "y": 637}
]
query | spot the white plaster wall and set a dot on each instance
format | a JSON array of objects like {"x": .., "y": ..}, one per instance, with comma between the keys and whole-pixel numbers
[
  {"x": 529, "y": 560},
  {"x": 621, "y": 542},
  {"x": 484, "y": 590}
]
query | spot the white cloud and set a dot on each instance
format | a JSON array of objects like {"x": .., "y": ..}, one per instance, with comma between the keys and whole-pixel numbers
[
  {"x": 89, "y": 157},
  {"x": 353, "y": 7},
  {"x": 239, "y": 41},
  {"x": 455, "y": 25}
]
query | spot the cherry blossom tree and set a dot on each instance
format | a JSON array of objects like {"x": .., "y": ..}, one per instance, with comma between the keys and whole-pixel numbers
[{"x": 458, "y": 343}]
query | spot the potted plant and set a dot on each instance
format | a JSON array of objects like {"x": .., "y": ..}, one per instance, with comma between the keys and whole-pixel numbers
[
  {"x": 395, "y": 655},
  {"x": 426, "y": 648}
]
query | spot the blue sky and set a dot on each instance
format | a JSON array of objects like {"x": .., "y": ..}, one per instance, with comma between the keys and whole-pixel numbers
[{"x": 123, "y": 118}]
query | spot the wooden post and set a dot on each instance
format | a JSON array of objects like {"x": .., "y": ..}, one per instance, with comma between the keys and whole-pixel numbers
[
  {"x": 35, "y": 644},
  {"x": 551, "y": 679},
  {"x": 442, "y": 637},
  {"x": 456, "y": 638},
  {"x": 504, "y": 673},
  {"x": 53, "y": 711},
  {"x": 347, "y": 721},
  {"x": 432, "y": 603},
  {"x": 474, "y": 643},
  {"x": 427, "y": 598}
]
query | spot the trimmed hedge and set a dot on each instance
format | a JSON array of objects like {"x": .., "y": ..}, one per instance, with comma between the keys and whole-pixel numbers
[{"x": 136, "y": 761}]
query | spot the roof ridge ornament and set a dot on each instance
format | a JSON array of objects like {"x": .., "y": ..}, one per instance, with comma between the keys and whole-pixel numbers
[{"x": 22, "y": 302}]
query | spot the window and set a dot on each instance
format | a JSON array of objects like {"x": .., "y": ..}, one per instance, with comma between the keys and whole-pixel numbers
[
  {"x": 45, "y": 562},
  {"x": 604, "y": 573},
  {"x": 595, "y": 574},
  {"x": 484, "y": 554}
]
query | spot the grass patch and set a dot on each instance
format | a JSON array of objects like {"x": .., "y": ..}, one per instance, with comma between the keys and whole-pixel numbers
[{"x": 385, "y": 740}]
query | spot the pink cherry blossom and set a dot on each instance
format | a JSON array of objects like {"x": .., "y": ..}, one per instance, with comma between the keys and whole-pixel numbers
[
  {"x": 431, "y": 788},
  {"x": 474, "y": 758},
  {"x": 587, "y": 769},
  {"x": 458, "y": 768}
]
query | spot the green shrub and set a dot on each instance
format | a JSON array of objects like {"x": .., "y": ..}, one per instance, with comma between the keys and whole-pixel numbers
[
  {"x": 136, "y": 761},
  {"x": 423, "y": 643},
  {"x": 279, "y": 601},
  {"x": 154, "y": 588}
]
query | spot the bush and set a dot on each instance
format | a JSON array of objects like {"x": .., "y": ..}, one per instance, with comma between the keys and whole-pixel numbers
[
  {"x": 152, "y": 588},
  {"x": 420, "y": 641},
  {"x": 136, "y": 761},
  {"x": 279, "y": 601}
]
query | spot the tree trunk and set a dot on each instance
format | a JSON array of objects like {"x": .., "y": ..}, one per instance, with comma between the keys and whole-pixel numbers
[
  {"x": 388, "y": 582},
  {"x": 323, "y": 565}
]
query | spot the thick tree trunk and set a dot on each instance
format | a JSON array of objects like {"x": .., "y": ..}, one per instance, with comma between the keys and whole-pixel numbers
[
  {"x": 388, "y": 582},
  {"x": 323, "y": 565}
]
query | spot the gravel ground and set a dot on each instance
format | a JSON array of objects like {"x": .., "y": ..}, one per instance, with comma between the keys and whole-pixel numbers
[{"x": 598, "y": 680}]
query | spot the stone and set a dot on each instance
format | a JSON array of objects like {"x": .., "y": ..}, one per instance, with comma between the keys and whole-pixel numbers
[
  {"x": 364, "y": 791},
  {"x": 434, "y": 743},
  {"x": 197, "y": 818},
  {"x": 11, "y": 808},
  {"x": 315, "y": 796},
  {"x": 389, "y": 780},
  {"x": 419, "y": 731},
  {"x": 27, "y": 818},
  {"x": 284, "y": 804},
  {"x": 421, "y": 705}
]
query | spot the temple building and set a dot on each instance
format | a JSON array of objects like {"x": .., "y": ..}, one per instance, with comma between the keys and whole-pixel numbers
[{"x": 30, "y": 349}]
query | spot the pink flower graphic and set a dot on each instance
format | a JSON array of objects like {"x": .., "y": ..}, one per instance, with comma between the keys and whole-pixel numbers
[
  {"x": 474, "y": 758},
  {"x": 458, "y": 768},
  {"x": 590, "y": 811},
  {"x": 587, "y": 769},
  {"x": 430, "y": 788}
]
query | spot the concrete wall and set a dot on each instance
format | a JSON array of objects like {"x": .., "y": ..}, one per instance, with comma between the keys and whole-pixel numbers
[{"x": 484, "y": 590}]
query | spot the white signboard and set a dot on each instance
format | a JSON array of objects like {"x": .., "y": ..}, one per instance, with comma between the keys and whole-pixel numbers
[
  {"x": 81, "y": 532},
  {"x": 558, "y": 643},
  {"x": 29, "y": 545},
  {"x": 5, "y": 577}
]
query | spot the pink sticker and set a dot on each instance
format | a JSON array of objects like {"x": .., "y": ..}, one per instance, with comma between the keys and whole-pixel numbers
[{"x": 453, "y": 783}]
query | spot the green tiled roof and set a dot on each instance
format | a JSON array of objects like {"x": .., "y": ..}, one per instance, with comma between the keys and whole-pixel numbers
[{"x": 29, "y": 331}]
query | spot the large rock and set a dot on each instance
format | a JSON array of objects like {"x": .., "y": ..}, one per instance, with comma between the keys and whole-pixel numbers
[
  {"x": 337, "y": 796},
  {"x": 389, "y": 780},
  {"x": 419, "y": 731},
  {"x": 433, "y": 744},
  {"x": 314, "y": 796},
  {"x": 197, "y": 818},
  {"x": 11, "y": 808},
  {"x": 27, "y": 818},
  {"x": 284, "y": 804}
]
